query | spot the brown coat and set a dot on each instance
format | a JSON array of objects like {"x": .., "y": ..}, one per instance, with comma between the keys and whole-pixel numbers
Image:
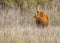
[{"x": 41, "y": 18}]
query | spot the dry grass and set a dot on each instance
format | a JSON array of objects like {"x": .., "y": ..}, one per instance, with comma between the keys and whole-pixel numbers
[
  {"x": 17, "y": 26},
  {"x": 30, "y": 35}
]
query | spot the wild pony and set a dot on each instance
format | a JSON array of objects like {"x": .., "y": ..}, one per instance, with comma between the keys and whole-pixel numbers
[{"x": 41, "y": 19}]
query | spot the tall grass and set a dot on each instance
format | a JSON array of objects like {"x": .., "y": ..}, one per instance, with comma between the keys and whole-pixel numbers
[{"x": 17, "y": 25}]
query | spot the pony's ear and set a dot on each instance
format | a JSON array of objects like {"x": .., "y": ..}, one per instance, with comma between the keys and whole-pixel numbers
[{"x": 37, "y": 12}]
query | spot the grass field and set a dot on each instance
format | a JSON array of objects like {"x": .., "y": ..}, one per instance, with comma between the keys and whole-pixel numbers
[
  {"x": 17, "y": 25},
  {"x": 30, "y": 35}
]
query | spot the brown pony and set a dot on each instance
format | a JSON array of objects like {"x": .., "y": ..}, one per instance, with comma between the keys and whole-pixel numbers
[{"x": 41, "y": 19}]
